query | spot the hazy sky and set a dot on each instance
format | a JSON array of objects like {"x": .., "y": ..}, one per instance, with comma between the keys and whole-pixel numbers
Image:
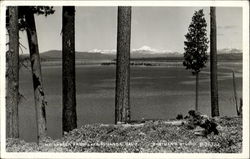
[{"x": 162, "y": 28}]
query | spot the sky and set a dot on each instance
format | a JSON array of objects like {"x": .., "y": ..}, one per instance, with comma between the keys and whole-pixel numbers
[{"x": 161, "y": 28}]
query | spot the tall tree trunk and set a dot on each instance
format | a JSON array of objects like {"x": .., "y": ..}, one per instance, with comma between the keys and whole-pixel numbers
[
  {"x": 12, "y": 74},
  {"x": 235, "y": 95},
  {"x": 197, "y": 91},
  {"x": 122, "y": 101},
  {"x": 39, "y": 94},
  {"x": 213, "y": 64},
  {"x": 69, "y": 90}
]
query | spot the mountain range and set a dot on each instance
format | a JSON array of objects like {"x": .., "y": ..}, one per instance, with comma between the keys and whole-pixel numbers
[
  {"x": 143, "y": 52},
  {"x": 140, "y": 52},
  {"x": 57, "y": 54},
  {"x": 148, "y": 50}
]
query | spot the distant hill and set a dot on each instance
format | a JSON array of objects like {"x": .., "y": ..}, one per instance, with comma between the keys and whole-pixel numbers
[
  {"x": 220, "y": 57},
  {"x": 136, "y": 55},
  {"x": 57, "y": 55},
  {"x": 229, "y": 51}
]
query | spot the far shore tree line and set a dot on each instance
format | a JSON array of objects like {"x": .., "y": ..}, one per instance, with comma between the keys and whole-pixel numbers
[{"x": 22, "y": 19}]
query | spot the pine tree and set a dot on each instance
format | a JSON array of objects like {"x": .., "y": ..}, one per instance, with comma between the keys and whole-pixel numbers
[
  {"x": 12, "y": 75},
  {"x": 122, "y": 102},
  {"x": 213, "y": 64},
  {"x": 196, "y": 44},
  {"x": 40, "y": 102},
  {"x": 69, "y": 91},
  {"x": 27, "y": 22}
]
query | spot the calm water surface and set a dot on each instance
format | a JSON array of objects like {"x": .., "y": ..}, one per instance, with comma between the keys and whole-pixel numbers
[{"x": 156, "y": 92}]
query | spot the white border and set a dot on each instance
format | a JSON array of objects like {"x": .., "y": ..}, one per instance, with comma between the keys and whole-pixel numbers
[
  {"x": 243, "y": 4},
  {"x": 128, "y": 3}
]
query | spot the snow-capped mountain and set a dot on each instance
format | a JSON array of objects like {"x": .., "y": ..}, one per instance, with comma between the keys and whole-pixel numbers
[
  {"x": 144, "y": 51},
  {"x": 147, "y": 49},
  {"x": 113, "y": 51}
]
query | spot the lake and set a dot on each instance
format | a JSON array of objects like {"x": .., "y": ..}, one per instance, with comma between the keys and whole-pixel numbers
[{"x": 157, "y": 92}]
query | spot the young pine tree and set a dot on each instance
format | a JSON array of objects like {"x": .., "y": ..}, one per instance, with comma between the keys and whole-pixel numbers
[{"x": 196, "y": 45}]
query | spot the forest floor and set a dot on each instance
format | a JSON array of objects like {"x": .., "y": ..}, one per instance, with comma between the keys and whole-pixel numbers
[{"x": 151, "y": 136}]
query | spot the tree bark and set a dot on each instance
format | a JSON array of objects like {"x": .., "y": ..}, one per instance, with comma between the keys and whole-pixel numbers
[
  {"x": 197, "y": 91},
  {"x": 69, "y": 90},
  {"x": 122, "y": 95},
  {"x": 235, "y": 95},
  {"x": 213, "y": 64},
  {"x": 12, "y": 74},
  {"x": 40, "y": 103},
  {"x": 240, "y": 108}
]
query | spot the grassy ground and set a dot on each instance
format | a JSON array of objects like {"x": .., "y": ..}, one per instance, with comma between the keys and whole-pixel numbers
[{"x": 151, "y": 136}]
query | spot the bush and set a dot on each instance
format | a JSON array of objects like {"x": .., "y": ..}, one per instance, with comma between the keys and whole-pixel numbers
[{"x": 179, "y": 117}]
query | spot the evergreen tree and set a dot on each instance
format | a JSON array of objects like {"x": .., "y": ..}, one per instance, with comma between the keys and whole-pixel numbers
[
  {"x": 196, "y": 44},
  {"x": 12, "y": 74},
  {"x": 26, "y": 22}
]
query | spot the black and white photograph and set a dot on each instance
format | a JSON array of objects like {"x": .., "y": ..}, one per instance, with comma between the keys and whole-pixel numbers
[{"x": 124, "y": 78}]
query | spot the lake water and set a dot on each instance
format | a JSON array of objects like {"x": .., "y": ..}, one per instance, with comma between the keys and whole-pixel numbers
[{"x": 159, "y": 92}]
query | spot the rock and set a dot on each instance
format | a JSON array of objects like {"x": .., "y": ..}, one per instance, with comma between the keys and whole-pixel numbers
[
  {"x": 196, "y": 119},
  {"x": 65, "y": 133},
  {"x": 142, "y": 134},
  {"x": 199, "y": 131},
  {"x": 178, "y": 122},
  {"x": 119, "y": 123},
  {"x": 210, "y": 126},
  {"x": 220, "y": 128}
]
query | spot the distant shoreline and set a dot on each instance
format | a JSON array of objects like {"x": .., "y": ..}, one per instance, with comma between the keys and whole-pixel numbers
[
  {"x": 132, "y": 62},
  {"x": 147, "y": 62},
  {"x": 94, "y": 58}
]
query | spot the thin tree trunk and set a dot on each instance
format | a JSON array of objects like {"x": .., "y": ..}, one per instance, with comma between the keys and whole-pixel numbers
[
  {"x": 12, "y": 74},
  {"x": 197, "y": 91},
  {"x": 240, "y": 108},
  {"x": 235, "y": 95},
  {"x": 40, "y": 103},
  {"x": 69, "y": 90},
  {"x": 213, "y": 64},
  {"x": 122, "y": 101}
]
